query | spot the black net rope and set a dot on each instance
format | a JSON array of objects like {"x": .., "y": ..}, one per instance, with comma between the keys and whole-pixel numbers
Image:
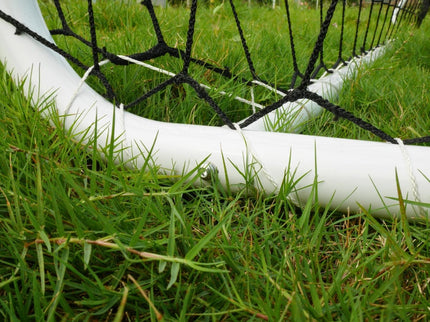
[{"x": 406, "y": 13}]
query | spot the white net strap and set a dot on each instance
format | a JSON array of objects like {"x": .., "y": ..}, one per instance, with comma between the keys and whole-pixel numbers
[
  {"x": 83, "y": 80},
  {"x": 125, "y": 145},
  {"x": 253, "y": 101},
  {"x": 253, "y": 154},
  {"x": 166, "y": 72},
  {"x": 410, "y": 167},
  {"x": 119, "y": 116}
]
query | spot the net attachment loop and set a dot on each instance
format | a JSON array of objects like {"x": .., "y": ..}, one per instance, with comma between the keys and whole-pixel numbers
[
  {"x": 254, "y": 158},
  {"x": 411, "y": 171}
]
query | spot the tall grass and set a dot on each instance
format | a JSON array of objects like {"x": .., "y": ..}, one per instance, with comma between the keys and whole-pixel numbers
[{"x": 83, "y": 238}]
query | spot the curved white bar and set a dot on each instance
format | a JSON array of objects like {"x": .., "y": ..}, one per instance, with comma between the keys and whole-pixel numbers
[
  {"x": 290, "y": 117},
  {"x": 349, "y": 171},
  {"x": 397, "y": 10}
]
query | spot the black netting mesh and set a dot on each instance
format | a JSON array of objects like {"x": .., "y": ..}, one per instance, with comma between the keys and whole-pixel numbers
[{"x": 370, "y": 32}]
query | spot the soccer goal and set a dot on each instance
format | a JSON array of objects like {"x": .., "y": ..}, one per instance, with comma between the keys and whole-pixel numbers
[{"x": 255, "y": 109}]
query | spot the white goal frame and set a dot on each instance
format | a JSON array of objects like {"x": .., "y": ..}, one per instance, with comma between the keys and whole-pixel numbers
[{"x": 349, "y": 172}]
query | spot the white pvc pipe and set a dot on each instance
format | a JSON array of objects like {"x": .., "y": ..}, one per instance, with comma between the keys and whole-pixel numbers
[
  {"x": 397, "y": 10},
  {"x": 348, "y": 171},
  {"x": 291, "y": 116}
]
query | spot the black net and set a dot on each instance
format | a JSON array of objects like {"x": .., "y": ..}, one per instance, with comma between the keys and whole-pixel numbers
[{"x": 373, "y": 27}]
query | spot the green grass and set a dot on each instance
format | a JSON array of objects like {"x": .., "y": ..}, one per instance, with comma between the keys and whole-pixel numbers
[{"x": 83, "y": 238}]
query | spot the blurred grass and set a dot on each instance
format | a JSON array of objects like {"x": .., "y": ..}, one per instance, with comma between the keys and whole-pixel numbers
[{"x": 83, "y": 238}]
